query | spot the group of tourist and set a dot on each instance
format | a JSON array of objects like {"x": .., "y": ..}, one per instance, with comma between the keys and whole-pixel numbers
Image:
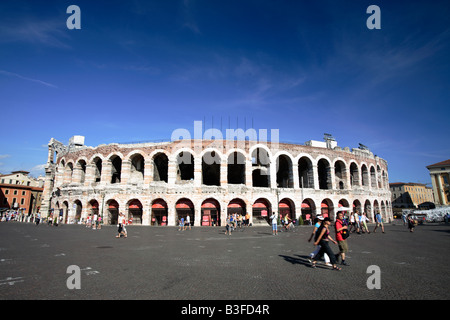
[
  {"x": 343, "y": 227},
  {"x": 94, "y": 221},
  {"x": 236, "y": 221}
]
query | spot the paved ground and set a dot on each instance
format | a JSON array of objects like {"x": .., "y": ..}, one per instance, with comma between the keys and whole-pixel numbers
[{"x": 205, "y": 264}]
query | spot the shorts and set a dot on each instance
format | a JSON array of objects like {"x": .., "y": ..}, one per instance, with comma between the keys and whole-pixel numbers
[
  {"x": 274, "y": 226},
  {"x": 343, "y": 247}
]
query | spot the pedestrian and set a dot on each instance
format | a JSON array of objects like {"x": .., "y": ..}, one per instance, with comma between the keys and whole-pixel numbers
[
  {"x": 187, "y": 222},
  {"x": 317, "y": 223},
  {"x": 274, "y": 219},
  {"x": 37, "y": 219},
  {"x": 411, "y": 223},
  {"x": 228, "y": 227},
  {"x": 341, "y": 237},
  {"x": 99, "y": 222},
  {"x": 121, "y": 221},
  {"x": 125, "y": 223},
  {"x": 358, "y": 226},
  {"x": 247, "y": 219},
  {"x": 181, "y": 224},
  {"x": 94, "y": 221},
  {"x": 322, "y": 237},
  {"x": 364, "y": 221},
  {"x": 352, "y": 223},
  {"x": 88, "y": 221},
  {"x": 378, "y": 222}
]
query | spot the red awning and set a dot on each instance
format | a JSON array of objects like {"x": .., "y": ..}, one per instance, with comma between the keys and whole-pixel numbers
[
  {"x": 135, "y": 204},
  {"x": 159, "y": 204},
  {"x": 113, "y": 205},
  {"x": 260, "y": 204},
  {"x": 210, "y": 204},
  {"x": 184, "y": 204},
  {"x": 236, "y": 204}
]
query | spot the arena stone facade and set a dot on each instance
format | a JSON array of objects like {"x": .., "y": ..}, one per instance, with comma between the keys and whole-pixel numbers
[{"x": 158, "y": 183}]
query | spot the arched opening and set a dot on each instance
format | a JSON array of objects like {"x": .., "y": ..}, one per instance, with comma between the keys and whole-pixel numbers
[
  {"x": 308, "y": 211},
  {"x": 379, "y": 178},
  {"x": 160, "y": 167},
  {"x": 210, "y": 213},
  {"x": 365, "y": 176},
  {"x": 65, "y": 211},
  {"x": 185, "y": 170},
  {"x": 137, "y": 169},
  {"x": 82, "y": 168},
  {"x": 373, "y": 178},
  {"x": 305, "y": 173},
  {"x": 326, "y": 208},
  {"x": 323, "y": 168},
  {"x": 261, "y": 211},
  {"x": 376, "y": 209},
  {"x": 211, "y": 169},
  {"x": 113, "y": 212},
  {"x": 284, "y": 172},
  {"x": 78, "y": 210},
  {"x": 116, "y": 169},
  {"x": 260, "y": 168},
  {"x": 184, "y": 207},
  {"x": 236, "y": 168},
  {"x": 236, "y": 206},
  {"x": 340, "y": 174},
  {"x": 286, "y": 207},
  {"x": 135, "y": 212},
  {"x": 368, "y": 208},
  {"x": 93, "y": 207},
  {"x": 357, "y": 206},
  {"x": 354, "y": 175},
  {"x": 159, "y": 213},
  {"x": 69, "y": 169},
  {"x": 97, "y": 169}
]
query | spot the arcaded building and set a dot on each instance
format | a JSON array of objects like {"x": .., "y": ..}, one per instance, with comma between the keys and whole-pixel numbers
[{"x": 156, "y": 184}]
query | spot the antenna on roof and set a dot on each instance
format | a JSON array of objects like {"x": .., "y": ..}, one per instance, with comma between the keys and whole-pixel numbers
[
  {"x": 361, "y": 146},
  {"x": 328, "y": 136}
]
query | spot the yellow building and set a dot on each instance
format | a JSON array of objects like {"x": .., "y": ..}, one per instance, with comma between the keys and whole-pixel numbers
[
  {"x": 411, "y": 195},
  {"x": 440, "y": 177}
]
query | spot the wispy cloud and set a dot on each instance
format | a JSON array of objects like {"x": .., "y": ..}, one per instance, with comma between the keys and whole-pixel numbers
[
  {"x": 50, "y": 33},
  {"x": 11, "y": 74}
]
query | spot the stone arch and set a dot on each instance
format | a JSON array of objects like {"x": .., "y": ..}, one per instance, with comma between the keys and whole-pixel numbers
[
  {"x": 305, "y": 172},
  {"x": 236, "y": 161}
]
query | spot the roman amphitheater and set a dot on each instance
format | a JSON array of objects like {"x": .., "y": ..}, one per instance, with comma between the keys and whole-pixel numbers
[{"x": 156, "y": 184}]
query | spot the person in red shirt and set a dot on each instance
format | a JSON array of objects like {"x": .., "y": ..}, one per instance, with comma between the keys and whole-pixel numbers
[{"x": 342, "y": 243}]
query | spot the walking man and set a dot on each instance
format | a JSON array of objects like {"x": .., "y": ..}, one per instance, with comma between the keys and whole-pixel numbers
[
  {"x": 378, "y": 222},
  {"x": 342, "y": 243}
]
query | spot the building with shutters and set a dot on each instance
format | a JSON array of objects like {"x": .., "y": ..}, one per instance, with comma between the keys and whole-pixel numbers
[{"x": 158, "y": 183}]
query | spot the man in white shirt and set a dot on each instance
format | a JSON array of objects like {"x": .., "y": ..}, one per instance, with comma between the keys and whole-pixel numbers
[{"x": 274, "y": 218}]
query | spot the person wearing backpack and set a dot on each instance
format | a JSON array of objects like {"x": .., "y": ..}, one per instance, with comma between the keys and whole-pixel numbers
[{"x": 341, "y": 237}]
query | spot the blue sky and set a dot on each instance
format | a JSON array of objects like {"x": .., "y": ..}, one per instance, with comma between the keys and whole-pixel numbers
[{"x": 138, "y": 70}]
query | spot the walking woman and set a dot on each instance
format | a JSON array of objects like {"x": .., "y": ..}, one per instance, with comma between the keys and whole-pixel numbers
[
  {"x": 322, "y": 238},
  {"x": 317, "y": 223},
  {"x": 411, "y": 223}
]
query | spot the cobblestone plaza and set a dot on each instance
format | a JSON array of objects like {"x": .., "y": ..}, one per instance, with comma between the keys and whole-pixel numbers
[{"x": 205, "y": 264}]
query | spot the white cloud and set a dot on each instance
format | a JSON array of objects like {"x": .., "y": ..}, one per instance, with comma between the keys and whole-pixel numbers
[{"x": 11, "y": 74}]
